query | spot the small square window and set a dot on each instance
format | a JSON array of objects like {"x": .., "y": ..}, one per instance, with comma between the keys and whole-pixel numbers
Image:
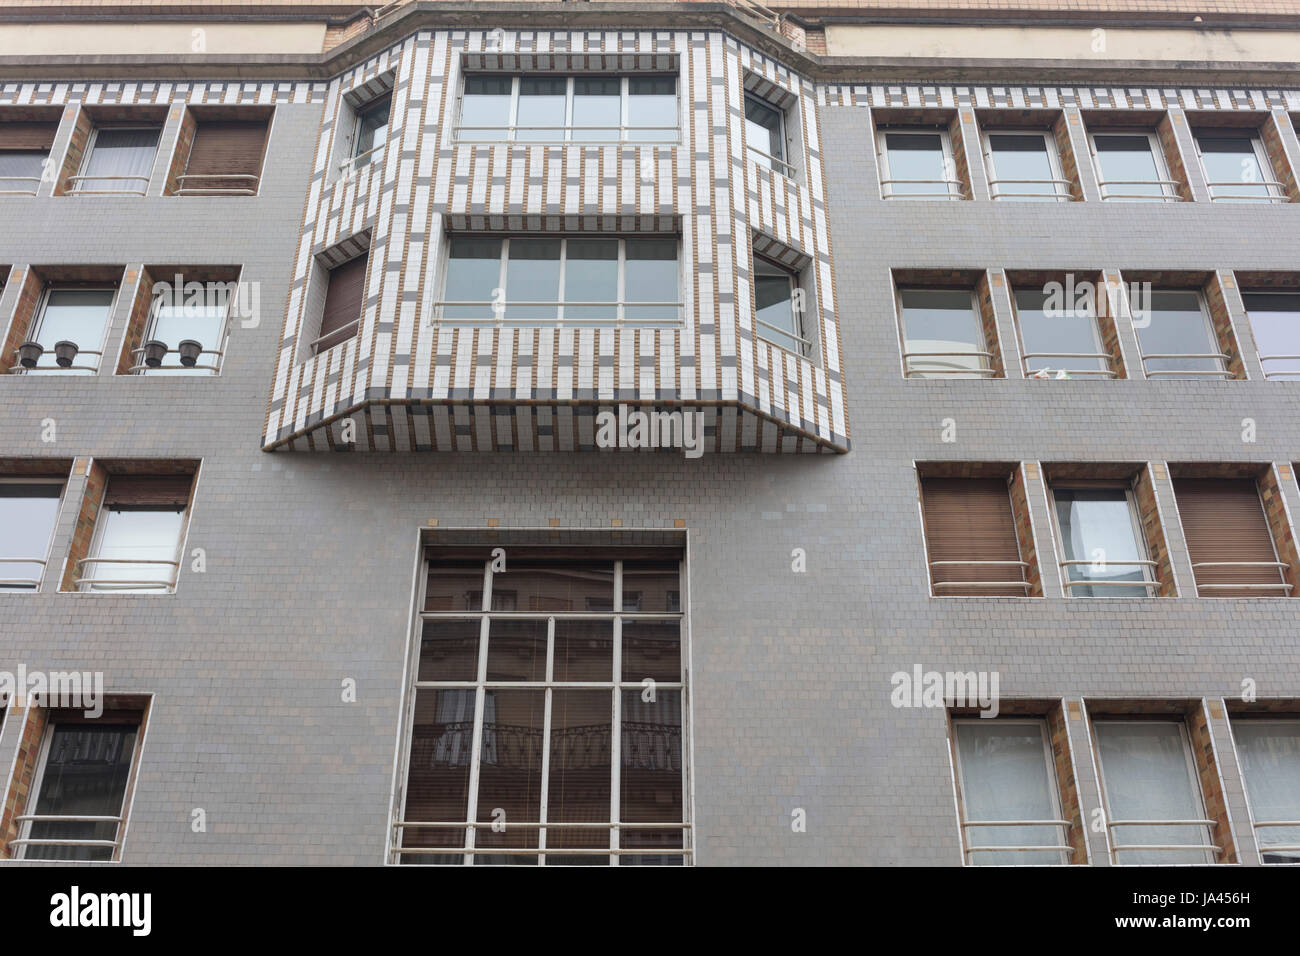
[
  {"x": 70, "y": 327},
  {"x": 943, "y": 335},
  {"x": 917, "y": 163},
  {"x": 1024, "y": 166}
]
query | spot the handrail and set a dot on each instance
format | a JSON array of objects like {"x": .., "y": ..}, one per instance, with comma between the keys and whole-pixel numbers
[
  {"x": 1163, "y": 197},
  {"x": 1221, "y": 586},
  {"x": 776, "y": 328},
  {"x": 17, "y": 368},
  {"x": 110, "y": 584},
  {"x": 398, "y": 826},
  {"x": 500, "y": 319},
  {"x": 34, "y": 582},
  {"x": 1107, "y": 372},
  {"x": 910, "y": 370},
  {"x": 961, "y": 192},
  {"x": 511, "y": 138},
  {"x": 20, "y": 179},
  {"x": 787, "y": 170},
  {"x": 1276, "y": 847},
  {"x": 76, "y": 181},
  {"x": 182, "y": 190},
  {"x": 1268, "y": 185},
  {"x": 184, "y": 368},
  {"x": 1018, "y": 848},
  {"x": 995, "y": 191},
  {"x": 66, "y": 818},
  {"x": 1118, "y": 847},
  {"x": 1221, "y": 356},
  {"x": 354, "y": 163},
  {"x": 347, "y": 325},
  {"x": 1272, "y": 373},
  {"x": 982, "y": 584}
]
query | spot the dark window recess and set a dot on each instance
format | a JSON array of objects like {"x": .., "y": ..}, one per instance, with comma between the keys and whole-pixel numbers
[
  {"x": 226, "y": 157},
  {"x": 24, "y": 149},
  {"x": 1228, "y": 538},
  {"x": 148, "y": 491},
  {"x": 968, "y": 524},
  {"x": 343, "y": 300}
]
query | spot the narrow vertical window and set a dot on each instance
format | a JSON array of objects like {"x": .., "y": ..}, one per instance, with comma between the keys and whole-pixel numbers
[
  {"x": 765, "y": 134},
  {"x": 372, "y": 127},
  {"x": 28, "y": 510},
  {"x": 119, "y": 160},
  {"x": 1101, "y": 537},
  {"x": 1270, "y": 762},
  {"x": 776, "y": 297},
  {"x": 1275, "y": 322}
]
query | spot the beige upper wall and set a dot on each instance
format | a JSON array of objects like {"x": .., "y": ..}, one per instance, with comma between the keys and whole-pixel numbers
[
  {"x": 1065, "y": 43},
  {"x": 52, "y": 39}
]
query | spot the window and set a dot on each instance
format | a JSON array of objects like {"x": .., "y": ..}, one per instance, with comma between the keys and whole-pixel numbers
[
  {"x": 1275, "y": 320},
  {"x": 1059, "y": 337},
  {"x": 371, "y": 129},
  {"x": 553, "y": 280},
  {"x": 1102, "y": 540},
  {"x": 24, "y": 151},
  {"x": 765, "y": 134},
  {"x": 85, "y": 770},
  {"x": 1176, "y": 337},
  {"x": 192, "y": 328},
  {"x": 1148, "y": 774},
  {"x": 1228, "y": 538},
  {"x": 344, "y": 297},
  {"x": 1005, "y": 773},
  {"x": 917, "y": 164},
  {"x": 71, "y": 316},
  {"x": 777, "y": 299},
  {"x": 225, "y": 158},
  {"x": 1024, "y": 166},
  {"x": 580, "y": 109},
  {"x": 118, "y": 160},
  {"x": 942, "y": 334},
  {"x": 1131, "y": 168},
  {"x": 536, "y": 719},
  {"x": 1270, "y": 762},
  {"x": 137, "y": 535},
  {"x": 28, "y": 510},
  {"x": 1237, "y": 168},
  {"x": 970, "y": 537}
]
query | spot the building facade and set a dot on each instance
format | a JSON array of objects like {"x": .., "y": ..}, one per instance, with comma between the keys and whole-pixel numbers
[{"x": 650, "y": 433}]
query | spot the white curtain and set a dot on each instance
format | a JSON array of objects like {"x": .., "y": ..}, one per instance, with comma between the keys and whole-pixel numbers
[
  {"x": 121, "y": 153},
  {"x": 1270, "y": 759}
]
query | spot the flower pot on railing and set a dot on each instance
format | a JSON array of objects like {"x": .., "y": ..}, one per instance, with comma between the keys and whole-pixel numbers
[
  {"x": 29, "y": 353},
  {"x": 189, "y": 350},
  {"x": 64, "y": 353},
  {"x": 154, "y": 352}
]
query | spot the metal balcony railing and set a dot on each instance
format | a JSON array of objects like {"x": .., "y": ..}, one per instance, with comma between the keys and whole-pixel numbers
[
  {"x": 19, "y": 190},
  {"x": 935, "y": 369},
  {"x": 21, "y": 582},
  {"x": 79, "y": 183},
  {"x": 1274, "y": 189},
  {"x": 34, "y": 818},
  {"x": 1280, "y": 566},
  {"x": 1281, "y": 373},
  {"x": 1056, "y": 195},
  {"x": 1015, "y": 847},
  {"x": 1023, "y": 565},
  {"x": 1220, "y": 356},
  {"x": 200, "y": 190},
  {"x": 1069, "y": 582},
  {"x": 1276, "y": 847},
  {"x": 1165, "y": 195},
  {"x": 956, "y": 189},
  {"x": 774, "y": 162},
  {"x": 17, "y": 369},
  {"x": 501, "y": 318},
  {"x": 110, "y": 584},
  {"x": 1117, "y": 848},
  {"x": 146, "y": 369},
  {"x": 619, "y": 135},
  {"x": 354, "y": 163},
  {"x": 469, "y": 851},
  {"x": 1103, "y": 372}
]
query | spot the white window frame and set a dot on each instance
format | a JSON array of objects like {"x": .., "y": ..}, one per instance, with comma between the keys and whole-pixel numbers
[
  {"x": 954, "y": 184},
  {"x": 219, "y": 351},
  {"x": 1255, "y": 822},
  {"x": 44, "y": 558},
  {"x": 968, "y": 853},
  {"x": 626, "y": 133},
  {"x": 984, "y": 355},
  {"x": 796, "y": 280},
  {"x": 90, "y": 152},
  {"x": 1060, "y": 185},
  {"x": 1094, "y": 329},
  {"x": 481, "y": 686},
  {"x": 1211, "y": 336},
  {"x": 779, "y": 164},
  {"x": 1168, "y": 187},
  {"x": 39, "y": 321},
  {"x": 89, "y": 573},
  {"x": 1149, "y": 580},
  {"x": 1281, "y": 375},
  {"x": 1189, "y": 763},
  {"x": 1273, "y": 188}
]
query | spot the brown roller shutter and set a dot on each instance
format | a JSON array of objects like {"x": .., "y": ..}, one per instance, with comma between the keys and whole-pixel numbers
[
  {"x": 148, "y": 491},
  {"x": 343, "y": 302},
  {"x": 225, "y": 148},
  {"x": 1223, "y": 521},
  {"x": 970, "y": 519},
  {"x": 27, "y": 137}
]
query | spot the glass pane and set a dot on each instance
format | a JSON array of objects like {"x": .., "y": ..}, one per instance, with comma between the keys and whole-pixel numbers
[
  {"x": 18, "y": 170},
  {"x": 591, "y": 275},
  {"x": 533, "y": 275},
  {"x": 437, "y": 781},
  {"x": 473, "y": 277},
  {"x": 557, "y": 586},
  {"x": 449, "y": 650},
  {"x": 485, "y": 110},
  {"x": 1049, "y": 332},
  {"x": 1147, "y": 777},
  {"x": 584, "y": 651},
  {"x": 1270, "y": 760},
  {"x": 372, "y": 126},
  {"x": 86, "y": 772},
  {"x": 652, "y": 102},
  {"x": 1097, "y": 527},
  {"x": 120, "y": 161},
  {"x": 516, "y": 651},
  {"x": 541, "y": 108},
  {"x": 652, "y": 649},
  {"x": 597, "y": 108},
  {"x": 1232, "y": 168},
  {"x": 510, "y": 773},
  {"x": 1275, "y": 320},
  {"x": 1022, "y": 167},
  {"x": 1005, "y": 776},
  {"x": 136, "y": 535},
  {"x": 774, "y": 290},
  {"x": 201, "y": 318},
  {"x": 1175, "y": 325},
  {"x": 763, "y": 133},
  {"x": 943, "y": 322},
  {"x": 652, "y": 586},
  {"x": 1128, "y": 167},
  {"x": 454, "y": 586},
  {"x": 916, "y": 165},
  {"x": 650, "y": 779},
  {"x": 27, "y": 515},
  {"x": 650, "y": 275},
  {"x": 578, "y": 790},
  {"x": 74, "y": 315}
]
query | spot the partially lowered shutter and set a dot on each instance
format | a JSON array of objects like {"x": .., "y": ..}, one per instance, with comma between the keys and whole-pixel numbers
[
  {"x": 27, "y": 137},
  {"x": 148, "y": 491},
  {"x": 1228, "y": 538},
  {"x": 226, "y": 156},
  {"x": 347, "y": 285},
  {"x": 970, "y": 520}
]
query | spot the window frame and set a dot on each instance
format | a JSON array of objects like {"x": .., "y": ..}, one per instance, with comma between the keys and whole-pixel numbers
[
  {"x": 782, "y": 166},
  {"x": 1211, "y": 336},
  {"x": 1106, "y": 358},
  {"x": 44, "y": 559},
  {"x": 796, "y": 280},
  {"x": 1275, "y": 190},
  {"x": 39, "y": 320},
  {"x": 482, "y": 687},
  {"x": 985, "y": 355},
  {"x": 1277, "y": 375},
  {"x": 1061, "y": 187},
  {"x": 1150, "y": 581},
  {"x": 86, "y": 584},
  {"x": 955, "y": 187},
  {"x": 182, "y": 371},
  {"x": 90, "y": 153},
  {"x": 1054, "y": 788},
  {"x": 1168, "y": 188},
  {"x": 1255, "y": 823}
]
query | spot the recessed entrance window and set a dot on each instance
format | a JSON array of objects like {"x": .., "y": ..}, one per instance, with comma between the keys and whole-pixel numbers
[
  {"x": 942, "y": 334},
  {"x": 765, "y": 134},
  {"x": 1024, "y": 166},
  {"x": 592, "y": 108},
  {"x": 1176, "y": 337},
  {"x": 1101, "y": 538},
  {"x": 1237, "y": 167},
  {"x": 1059, "y": 336},
  {"x": 28, "y": 510},
  {"x": 917, "y": 164},
  {"x": 777, "y": 297},
  {"x": 74, "y": 315},
  {"x": 118, "y": 160},
  {"x": 1275, "y": 321},
  {"x": 1270, "y": 762},
  {"x": 1131, "y": 168}
]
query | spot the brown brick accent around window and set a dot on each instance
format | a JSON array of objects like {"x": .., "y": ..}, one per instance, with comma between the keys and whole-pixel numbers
[
  {"x": 1157, "y": 548},
  {"x": 960, "y": 160},
  {"x": 1279, "y": 525},
  {"x": 24, "y": 775},
  {"x": 84, "y": 531},
  {"x": 1271, "y": 136},
  {"x": 75, "y": 154},
  {"x": 1025, "y": 531},
  {"x": 137, "y": 322},
  {"x": 29, "y": 299},
  {"x": 1076, "y": 835},
  {"x": 1174, "y": 157},
  {"x": 988, "y": 318},
  {"x": 337, "y": 33},
  {"x": 35, "y": 467},
  {"x": 181, "y": 155},
  {"x": 1065, "y": 149},
  {"x": 1207, "y": 769},
  {"x": 1221, "y": 320}
]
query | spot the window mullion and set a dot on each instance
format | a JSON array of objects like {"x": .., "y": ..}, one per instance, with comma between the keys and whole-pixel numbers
[
  {"x": 512, "y": 132},
  {"x": 546, "y": 741},
  {"x": 624, "y": 107},
  {"x": 561, "y": 291},
  {"x": 621, "y": 295},
  {"x": 480, "y": 694},
  {"x": 616, "y": 721},
  {"x": 569, "y": 93},
  {"x": 501, "y": 280}
]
